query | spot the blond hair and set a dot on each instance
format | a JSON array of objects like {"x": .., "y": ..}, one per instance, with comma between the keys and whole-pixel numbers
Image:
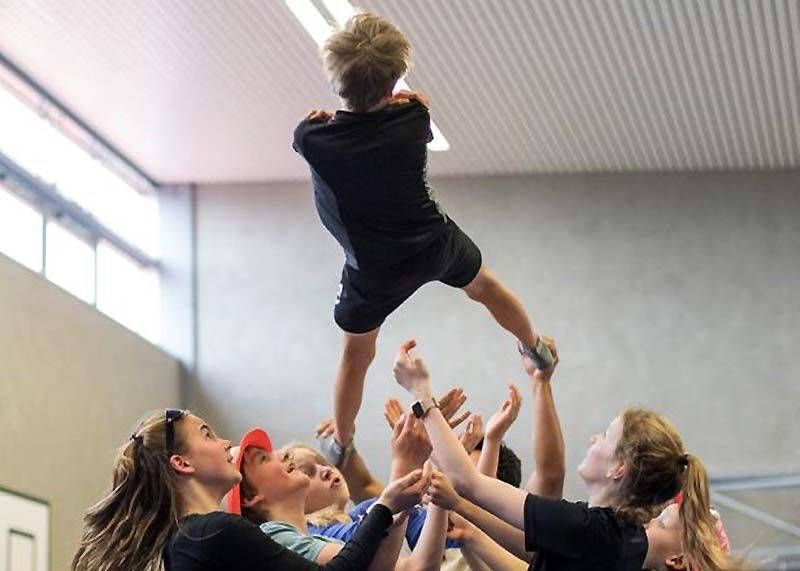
[
  {"x": 365, "y": 59},
  {"x": 327, "y": 515}
]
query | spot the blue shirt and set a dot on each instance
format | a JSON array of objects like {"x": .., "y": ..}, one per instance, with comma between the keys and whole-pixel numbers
[{"x": 344, "y": 531}]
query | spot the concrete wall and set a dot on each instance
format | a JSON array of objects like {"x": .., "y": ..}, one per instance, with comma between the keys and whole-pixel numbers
[
  {"x": 73, "y": 384},
  {"x": 679, "y": 292}
]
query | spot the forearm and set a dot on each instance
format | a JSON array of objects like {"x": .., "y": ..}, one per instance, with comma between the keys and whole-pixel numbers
[
  {"x": 474, "y": 562},
  {"x": 429, "y": 551},
  {"x": 547, "y": 478},
  {"x": 389, "y": 551},
  {"x": 501, "y": 499},
  {"x": 449, "y": 453},
  {"x": 361, "y": 549},
  {"x": 490, "y": 457},
  {"x": 362, "y": 483},
  {"x": 494, "y": 556},
  {"x": 507, "y": 536}
]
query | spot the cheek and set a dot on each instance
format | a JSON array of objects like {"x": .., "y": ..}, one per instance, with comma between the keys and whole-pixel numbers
[{"x": 316, "y": 489}]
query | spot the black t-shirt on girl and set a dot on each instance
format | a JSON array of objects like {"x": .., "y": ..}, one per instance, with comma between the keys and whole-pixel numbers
[
  {"x": 223, "y": 542},
  {"x": 569, "y": 536}
]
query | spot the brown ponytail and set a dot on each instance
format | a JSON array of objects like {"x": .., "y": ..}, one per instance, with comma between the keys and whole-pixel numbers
[
  {"x": 129, "y": 527},
  {"x": 701, "y": 546}
]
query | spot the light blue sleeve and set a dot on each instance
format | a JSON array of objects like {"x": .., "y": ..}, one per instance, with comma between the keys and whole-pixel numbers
[{"x": 308, "y": 546}]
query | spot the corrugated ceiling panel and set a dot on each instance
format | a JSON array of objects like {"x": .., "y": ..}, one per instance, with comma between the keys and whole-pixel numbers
[{"x": 209, "y": 91}]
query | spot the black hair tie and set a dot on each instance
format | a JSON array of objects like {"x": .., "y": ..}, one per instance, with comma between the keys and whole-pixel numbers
[{"x": 684, "y": 460}]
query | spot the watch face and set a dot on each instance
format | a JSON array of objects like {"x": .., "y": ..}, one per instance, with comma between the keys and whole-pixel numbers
[{"x": 416, "y": 408}]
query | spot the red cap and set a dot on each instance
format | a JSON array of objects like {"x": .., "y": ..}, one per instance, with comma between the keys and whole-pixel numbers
[{"x": 255, "y": 437}]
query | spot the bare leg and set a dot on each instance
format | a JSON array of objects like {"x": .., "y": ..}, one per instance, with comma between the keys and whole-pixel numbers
[
  {"x": 504, "y": 306},
  {"x": 358, "y": 353}
]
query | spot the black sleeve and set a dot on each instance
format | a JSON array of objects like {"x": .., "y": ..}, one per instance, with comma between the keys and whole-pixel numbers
[
  {"x": 557, "y": 526},
  {"x": 299, "y": 132},
  {"x": 242, "y": 545},
  {"x": 426, "y": 117},
  {"x": 360, "y": 550}
]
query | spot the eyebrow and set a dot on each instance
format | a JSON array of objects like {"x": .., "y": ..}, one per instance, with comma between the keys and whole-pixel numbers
[{"x": 206, "y": 427}]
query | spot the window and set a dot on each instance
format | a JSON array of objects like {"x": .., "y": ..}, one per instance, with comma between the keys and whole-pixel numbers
[
  {"x": 92, "y": 222},
  {"x": 38, "y": 146},
  {"x": 20, "y": 230},
  {"x": 128, "y": 293},
  {"x": 70, "y": 262}
]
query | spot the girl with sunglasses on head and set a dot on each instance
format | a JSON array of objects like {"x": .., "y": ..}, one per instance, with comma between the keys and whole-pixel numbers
[{"x": 164, "y": 509}]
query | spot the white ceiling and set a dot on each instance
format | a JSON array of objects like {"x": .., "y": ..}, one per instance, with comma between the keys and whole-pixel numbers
[{"x": 210, "y": 90}]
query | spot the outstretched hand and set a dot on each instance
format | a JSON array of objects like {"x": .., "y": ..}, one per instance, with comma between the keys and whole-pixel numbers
[
  {"x": 473, "y": 433},
  {"x": 449, "y": 405},
  {"x": 411, "y": 372},
  {"x": 410, "y": 443},
  {"x": 442, "y": 493},
  {"x": 501, "y": 421},
  {"x": 407, "y": 491},
  {"x": 325, "y": 428}
]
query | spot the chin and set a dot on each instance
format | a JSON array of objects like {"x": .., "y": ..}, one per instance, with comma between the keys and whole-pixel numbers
[{"x": 581, "y": 471}]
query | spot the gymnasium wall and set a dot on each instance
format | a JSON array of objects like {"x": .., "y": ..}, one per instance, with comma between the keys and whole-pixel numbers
[
  {"x": 674, "y": 291},
  {"x": 73, "y": 384}
]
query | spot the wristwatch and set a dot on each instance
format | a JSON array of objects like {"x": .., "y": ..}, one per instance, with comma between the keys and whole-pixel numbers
[{"x": 421, "y": 407}]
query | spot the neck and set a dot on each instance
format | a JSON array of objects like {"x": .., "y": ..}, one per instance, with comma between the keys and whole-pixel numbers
[
  {"x": 654, "y": 558},
  {"x": 198, "y": 499},
  {"x": 377, "y": 107},
  {"x": 290, "y": 511},
  {"x": 600, "y": 496}
]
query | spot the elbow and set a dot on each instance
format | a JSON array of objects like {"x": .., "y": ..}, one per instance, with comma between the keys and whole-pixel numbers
[
  {"x": 552, "y": 485},
  {"x": 466, "y": 483}
]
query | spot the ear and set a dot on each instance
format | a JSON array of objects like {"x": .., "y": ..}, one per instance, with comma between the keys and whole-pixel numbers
[
  {"x": 251, "y": 501},
  {"x": 676, "y": 562},
  {"x": 180, "y": 465},
  {"x": 617, "y": 473}
]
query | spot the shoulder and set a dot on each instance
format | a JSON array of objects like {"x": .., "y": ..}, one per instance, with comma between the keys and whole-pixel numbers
[
  {"x": 214, "y": 521},
  {"x": 411, "y": 110},
  {"x": 218, "y": 527},
  {"x": 273, "y": 528}
]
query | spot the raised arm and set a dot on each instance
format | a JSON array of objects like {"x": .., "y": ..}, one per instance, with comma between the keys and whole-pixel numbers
[
  {"x": 410, "y": 450},
  {"x": 499, "y": 498},
  {"x": 496, "y": 430},
  {"x": 429, "y": 551},
  {"x": 547, "y": 478}
]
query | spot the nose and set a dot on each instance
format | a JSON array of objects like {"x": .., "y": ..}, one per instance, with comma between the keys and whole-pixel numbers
[
  {"x": 228, "y": 445},
  {"x": 593, "y": 438}
]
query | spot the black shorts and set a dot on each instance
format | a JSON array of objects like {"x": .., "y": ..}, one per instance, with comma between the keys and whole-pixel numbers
[{"x": 368, "y": 296}]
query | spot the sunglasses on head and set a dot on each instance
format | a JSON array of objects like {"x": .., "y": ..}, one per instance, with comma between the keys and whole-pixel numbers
[{"x": 172, "y": 415}]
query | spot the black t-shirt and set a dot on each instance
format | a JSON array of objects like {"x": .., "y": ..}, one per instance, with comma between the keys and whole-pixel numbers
[
  {"x": 369, "y": 172},
  {"x": 569, "y": 536},
  {"x": 223, "y": 542}
]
